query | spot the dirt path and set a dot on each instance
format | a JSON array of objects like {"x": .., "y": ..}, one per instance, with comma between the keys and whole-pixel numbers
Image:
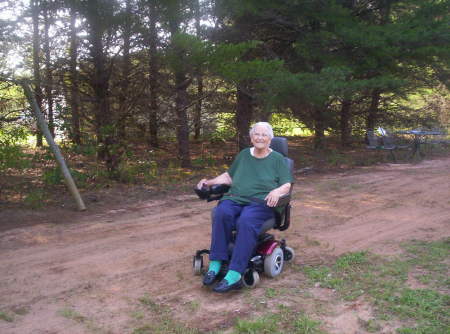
[{"x": 95, "y": 275}]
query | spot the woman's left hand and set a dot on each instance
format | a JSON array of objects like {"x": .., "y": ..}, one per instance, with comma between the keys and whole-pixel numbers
[{"x": 273, "y": 197}]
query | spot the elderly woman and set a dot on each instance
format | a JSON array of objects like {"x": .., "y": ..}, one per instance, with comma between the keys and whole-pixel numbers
[{"x": 258, "y": 177}]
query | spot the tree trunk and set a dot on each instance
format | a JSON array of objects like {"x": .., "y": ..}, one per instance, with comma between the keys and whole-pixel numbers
[
  {"x": 181, "y": 102},
  {"x": 182, "y": 82},
  {"x": 199, "y": 76},
  {"x": 244, "y": 114},
  {"x": 198, "y": 108},
  {"x": 153, "y": 76},
  {"x": 345, "y": 123},
  {"x": 319, "y": 129},
  {"x": 49, "y": 75},
  {"x": 74, "y": 85},
  {"x": 125, "y": 80},
  {"x": 105, "y": 128},
  {"x": 372, "y": 113},
  {"x": 35, "y": 11}
]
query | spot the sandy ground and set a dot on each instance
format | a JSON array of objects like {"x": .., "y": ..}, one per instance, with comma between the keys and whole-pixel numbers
[{"x": 92, "y": 274}]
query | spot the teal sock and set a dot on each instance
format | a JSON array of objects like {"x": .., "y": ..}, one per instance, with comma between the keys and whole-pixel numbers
[
  {"x": 215, "y": 265},
  {"x": 232, "y": 276}
]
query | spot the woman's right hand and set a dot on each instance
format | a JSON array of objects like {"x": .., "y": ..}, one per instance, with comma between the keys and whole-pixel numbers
[{"x": 202, "y": 183}]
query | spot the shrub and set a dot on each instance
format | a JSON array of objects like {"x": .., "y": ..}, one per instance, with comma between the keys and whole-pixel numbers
[{"x": 11, "y": 153}]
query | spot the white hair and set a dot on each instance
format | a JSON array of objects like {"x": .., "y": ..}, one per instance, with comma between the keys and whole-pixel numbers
[{"x": 264, "y": 124}]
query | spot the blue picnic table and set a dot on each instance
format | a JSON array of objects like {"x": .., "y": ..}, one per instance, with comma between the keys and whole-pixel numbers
[{"x": 419, "y": 138}]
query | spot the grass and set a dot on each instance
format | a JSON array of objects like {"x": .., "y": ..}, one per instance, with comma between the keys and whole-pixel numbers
[
  {"x": 72, "y": 314},
  {"x": 6, "y": 317},
  {"x": 194, "y": 306},
  {"x": 285, "y": 321},
  {"x": 428, "y": 257},
  {"x": 156, "y": 318},
  {"x": 164, "y": 328},
  {"x": 383, "y": 283}
]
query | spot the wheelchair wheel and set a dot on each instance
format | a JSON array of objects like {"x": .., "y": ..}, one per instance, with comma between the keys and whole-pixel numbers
[
  {"x": 289, "y": 254},
  {"x": 197, "y": 265},
  {"x": 250, "y": 278},
  {"x": 273, "y": 264}
]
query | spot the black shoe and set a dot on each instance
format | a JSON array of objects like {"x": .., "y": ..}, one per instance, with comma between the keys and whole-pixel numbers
[
  {"x": 209, "y": 278},
  {"x": 224, "y": 286}
]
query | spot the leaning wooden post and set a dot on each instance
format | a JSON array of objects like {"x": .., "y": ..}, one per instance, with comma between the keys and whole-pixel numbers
[{"x": 59, "y": 158}]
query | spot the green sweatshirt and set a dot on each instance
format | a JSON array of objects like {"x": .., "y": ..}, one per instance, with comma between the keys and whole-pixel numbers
[{"x": 255, "y": 177}]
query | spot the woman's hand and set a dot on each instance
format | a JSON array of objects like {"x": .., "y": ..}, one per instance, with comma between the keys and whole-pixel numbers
[
  {"x": 202, "y": 183},
  {"x": 224, "y": 178},
  {"x": 273, "y": 197}
]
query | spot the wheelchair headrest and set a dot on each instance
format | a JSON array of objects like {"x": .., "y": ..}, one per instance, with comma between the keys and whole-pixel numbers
[{"x": 280, "y": 145}]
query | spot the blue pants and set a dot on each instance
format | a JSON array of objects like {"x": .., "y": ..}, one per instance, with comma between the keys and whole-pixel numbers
[{"x": 247, "y": 220}]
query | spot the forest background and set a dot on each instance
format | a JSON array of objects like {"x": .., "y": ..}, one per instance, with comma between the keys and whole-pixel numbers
[{"x": 154, "y": 92}]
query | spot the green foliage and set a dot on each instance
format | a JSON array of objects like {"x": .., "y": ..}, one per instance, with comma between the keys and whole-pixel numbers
[
  {"x": 287, "y": 125},
  {"x": 11, "y": 152},
  {"x": 257, "y": 69},
  {"x": 187, "y": 52},
  {"x": 225, "y": 129},
  {"x": 337, "y": 52},
  {"x": 336, "y": 158},
  {"x": 205, "y": 160},
  {"x": 227, "y": 60},
  {"x": 35, "y": 199},
  {"x": 44, "y": 155},
  {"x": 230, "y": 52},
  {"x": 131, "y": 171},
  {"x": 86, "y": 149},
  {"x": 54, "y": 176}
]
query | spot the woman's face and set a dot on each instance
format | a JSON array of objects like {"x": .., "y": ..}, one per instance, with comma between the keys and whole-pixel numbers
[{"x": 260, "y": 137}]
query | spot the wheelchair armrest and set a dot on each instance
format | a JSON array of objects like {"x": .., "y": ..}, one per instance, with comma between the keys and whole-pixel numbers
[
  {"x": 283, "y": 219},
  {"x": 287, "y": 219},
  {"x": 219, "y": 189},
  {"x": 202, "y": 193},
  {"x": 212, "y": 193},
  {"x": 284, "y": 200}
]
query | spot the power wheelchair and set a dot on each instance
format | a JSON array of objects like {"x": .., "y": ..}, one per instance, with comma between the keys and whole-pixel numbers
[{"x": 270, "y": 254}]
